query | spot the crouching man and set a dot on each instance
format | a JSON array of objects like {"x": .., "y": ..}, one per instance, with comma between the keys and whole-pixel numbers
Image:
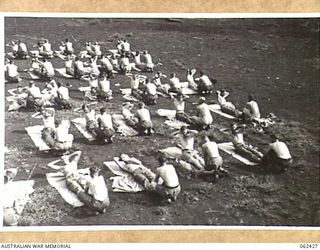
[
  {"x": 278, "y": 157},
  {"x": 166, "y": 182}
]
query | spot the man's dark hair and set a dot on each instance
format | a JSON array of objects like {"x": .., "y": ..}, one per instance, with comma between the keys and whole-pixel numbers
[{"x": 162, "y": 159}]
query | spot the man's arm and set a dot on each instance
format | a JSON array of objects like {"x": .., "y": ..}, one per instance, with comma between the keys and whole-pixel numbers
[
  {"x": 76, "y": 156},
  {"x": 53, "y": 165}
]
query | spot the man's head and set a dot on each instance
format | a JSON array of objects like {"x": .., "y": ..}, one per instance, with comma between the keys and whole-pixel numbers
[
  {"x": 179, "y": 96},
  {"x": 183, "y": 130},
  {"x": 124, "y": 157},
  {"x": 67, "y": 40},
  {"x": 162, "y": 159},
  {"x": 201, "y": 73},
  {"x": 59, "y": 84},
  {"x": 173, "y": 75},
  {"x": 250, "y": 98},
  {"x": 85, "y": 107},
  {"x": 31, "y": 84},
  {"x": 274, "y": 137},
  {"x": 19, "y": 88},
  {"x": 141, "y": 105},
  {"x": 202, "y": 100},
  {"x": 94, "y": 171},
  {"x": 102, "y": 110}
]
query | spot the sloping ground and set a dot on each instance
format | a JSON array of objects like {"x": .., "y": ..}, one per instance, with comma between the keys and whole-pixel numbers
[{"x": 276, "y": 59}]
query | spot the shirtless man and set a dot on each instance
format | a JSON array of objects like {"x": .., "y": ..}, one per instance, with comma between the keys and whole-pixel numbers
[
  {"x": 205, "y": 85},
  {"x": 242, "y": 148},
  {"x": 63, "y": 140},
  {"x": 69, "y": 50},
  {"x": 47, "y": 70},
  {"x": 22, "y": 51},
  {"x": 190, "y": 78},
  {"x": 94, "y": 67},
  {"x": 96, "y": 49},
  {"x": 251, "y": 112},
  {"x": 63, "y": 99},
  {"x": 124, "y": 63},
  {"x": 106, "y": 67},
  {"x": 175, "y": 85},
  {"x": 166, "y": 182},
  {"x": 137, "y": 59},
  {"x": 179, "y": 103},
  {"x": 104, "y": 91},
  {"x": 227, "y": 107},
  {"x": 47, "y": 116},
  {"x": 150, "y": 95},
  {"x": 34, "y": 99},
  {"x": 69, "y": 66},
  {"x": 141, "y": 174},
  {"x": 145, "y": 125},
  {"x": 278, "y": 157},
  {"x": 90, "y": 189},
  {"x": 18, "y": 99},
  {"x": 11, "y": 72},
  {"x": 45, "y": 49},
  {"x": 163, "y": 88},
  {"x": 213, "y": 160},
  {"x": 134, "y": 85},
  {"x": 91, "y": 122},
  {"x": 148, "y": 61},
  {"x": 79, "y": 69},
  {"x": 105, "y": 130},
  {"x": 186, "y": 139},
  {"x": 204, "y": 118}
]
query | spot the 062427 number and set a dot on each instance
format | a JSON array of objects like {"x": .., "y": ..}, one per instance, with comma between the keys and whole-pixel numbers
[{"x": 309, "y": 245}]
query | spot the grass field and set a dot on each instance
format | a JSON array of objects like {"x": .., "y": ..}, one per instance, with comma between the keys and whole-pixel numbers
[{"x": 275, "y": 59}]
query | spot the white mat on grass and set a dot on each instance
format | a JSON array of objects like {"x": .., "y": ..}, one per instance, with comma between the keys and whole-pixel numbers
[
  {"x": 84, "y": 89},
  {"x": 217, "y": 109},
  {"x": 33, "y": 76},
  {"x": 166, "y": 113},
  {"x": 123, "y": 181},
  {"x": 35, "y": 134},
  {"x": 58, "y": 181},
  {"x": 80, "y": 124},
  {"x": 175, "y": 124},
  {"x": 230, "y": 149},
  {"x": 63, "y": 72},
  {"x": 172, "y": 152},
  {"x": 121, "y": 127}
]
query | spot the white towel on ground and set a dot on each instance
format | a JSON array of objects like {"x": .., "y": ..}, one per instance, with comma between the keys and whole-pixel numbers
[
  {"x": 230, "y": 149},
  {"x": 175, "y": 124},
  {"x": 217, "y": 109},
  {"x": 63, "y": 72},
  {"x": 123, "y": 181},
  {"x": 80, "y": 124},
  {"x": 121, "y": 127},
  {"x": 35, "y": 134},
  {"x": 166, "y": 113}
]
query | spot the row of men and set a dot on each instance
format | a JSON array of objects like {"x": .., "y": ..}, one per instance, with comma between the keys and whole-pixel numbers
[{"x": 165, "y": 180}]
